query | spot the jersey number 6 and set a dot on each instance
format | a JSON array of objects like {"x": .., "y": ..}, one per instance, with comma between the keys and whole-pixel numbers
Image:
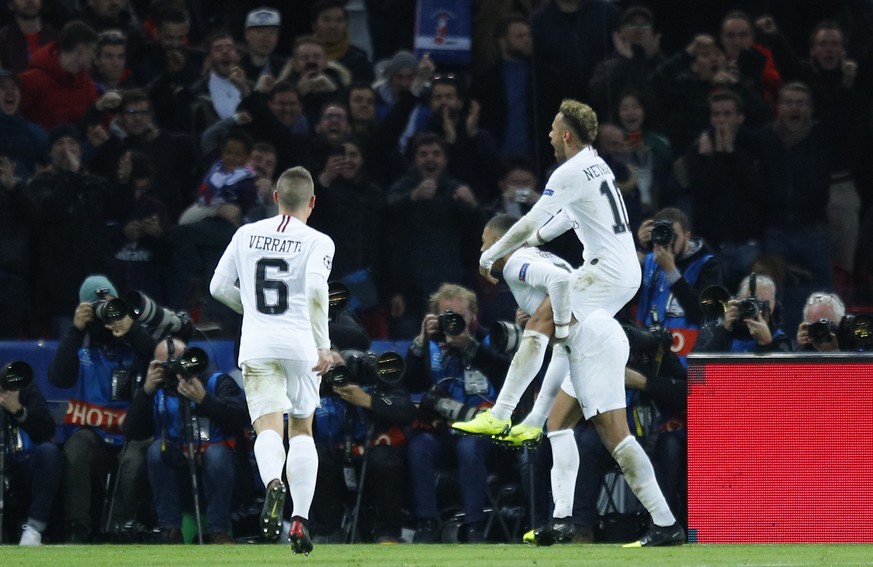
[{"x": 278, "y": 287}]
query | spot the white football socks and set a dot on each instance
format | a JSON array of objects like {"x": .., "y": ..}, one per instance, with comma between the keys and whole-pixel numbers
[
  {"x": 270, "y": 455},
  {"x": 302, "y": 469},
  {"x": 565, "y": 466},
  {"x": 557, "y": 371},
  {"x": 525, "y": 364},
  {"x": 640, "y": 476}
]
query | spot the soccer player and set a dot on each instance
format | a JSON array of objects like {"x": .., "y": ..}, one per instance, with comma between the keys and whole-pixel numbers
[
  {"x": 533, "y": 276},
  {"x": 282, "y": 266},
  {"x": 585, "y": 188}
]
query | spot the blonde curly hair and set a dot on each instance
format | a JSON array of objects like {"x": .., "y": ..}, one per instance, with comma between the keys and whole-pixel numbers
[{"x": 580, "y": 118}]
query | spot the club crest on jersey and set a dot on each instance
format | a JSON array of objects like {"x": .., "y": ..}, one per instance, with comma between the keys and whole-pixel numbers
[
  {"x": 328, "y": 261},
  {"x": 548, "y": 192},
  {"x": 522, "y": 273}
]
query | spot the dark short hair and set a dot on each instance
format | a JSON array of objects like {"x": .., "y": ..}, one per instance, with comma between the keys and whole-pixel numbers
[
  {"x": 284, "y": 86},
  {"x": 265, "y": 147},
  {"x": 323, "y": 5},
  {"x": 516, "y": 162},
  {"x": 425, "y": 139},
  {"x": 166, "y": 13},
  {"x": 723, "y": 95},
  {"x": 504, "y": 23},
  {"x": 501, "y": 223},
  {"x": 674, "y": 215},
  {"x": 241, "y": 136},
  {"x": 74, "y": 34},
  {"x": 134, "y": 96}
]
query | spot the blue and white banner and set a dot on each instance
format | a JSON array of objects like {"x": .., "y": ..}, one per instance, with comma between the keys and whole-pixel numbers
[{"x": 443, "y": 28}]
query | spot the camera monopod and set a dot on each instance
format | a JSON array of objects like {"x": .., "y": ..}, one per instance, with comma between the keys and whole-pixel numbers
[
  {"x": 188, "y": 428},
  {"x": 3, "y": 447},
  {"x": 366, "y": 448}
]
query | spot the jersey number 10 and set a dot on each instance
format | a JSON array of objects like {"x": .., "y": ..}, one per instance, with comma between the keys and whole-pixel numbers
[{"x": 616, "y": 203}]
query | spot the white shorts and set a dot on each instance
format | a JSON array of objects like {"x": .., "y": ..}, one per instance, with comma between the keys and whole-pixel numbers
[
  {"x": 590, "y": 290},
  {"x": 280, "y": 386},
  {"x": 598, "y": 354}
]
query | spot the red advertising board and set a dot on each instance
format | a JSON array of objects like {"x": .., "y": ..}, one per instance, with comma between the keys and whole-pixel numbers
[{"x": 780, "y": 449}]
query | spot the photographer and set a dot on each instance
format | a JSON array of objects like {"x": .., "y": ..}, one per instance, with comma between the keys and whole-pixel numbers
[
  {"x": 217, "y": 416},
  {"x": 99, "y": 360},
  {"x": 35, "y": 464},
  {"x": 676, "y": 270},
  {"x": 822, "y": 329},
  {"x": 750, "y": 322},
  {"x": 452, "y": 359},
  {"x": 361, "y": 444}
]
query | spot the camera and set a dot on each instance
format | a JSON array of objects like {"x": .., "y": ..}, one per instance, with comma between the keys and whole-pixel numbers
[
  {"x": 662, "y": 233},
  {"x": 644, "y": 341},
  {"x": 16, "y": 376},
  {"x": 192, "y": 362},
  {"x": 854, "y": 333},
  {"x": 822, "y": 331},
  {"x": 750, "y": 307},
  {"x": 160, "y": 321},
  {"x": 438, "y": 401},
  {"x": 505, "y": 336},
  {"x": 451, "y": 323},
  {"x": 108, "y": 310},
  {"x": 367, "y": 368}
]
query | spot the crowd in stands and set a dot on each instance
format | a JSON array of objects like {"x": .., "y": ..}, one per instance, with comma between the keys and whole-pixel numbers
[{"x": 136, "y": 136}]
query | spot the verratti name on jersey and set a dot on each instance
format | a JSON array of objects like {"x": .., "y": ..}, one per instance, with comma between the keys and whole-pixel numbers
[{"x": 268, "y": 244}]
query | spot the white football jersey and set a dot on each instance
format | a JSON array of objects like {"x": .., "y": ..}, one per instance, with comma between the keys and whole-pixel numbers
[
  {"x": 528, "y": 273},
  {"x": 584, "y": 186},
  {"x": 272, "y": 258}
]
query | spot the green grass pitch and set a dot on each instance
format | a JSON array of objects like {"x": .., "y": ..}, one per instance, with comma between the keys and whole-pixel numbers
[{"x": 494, "y": 555}]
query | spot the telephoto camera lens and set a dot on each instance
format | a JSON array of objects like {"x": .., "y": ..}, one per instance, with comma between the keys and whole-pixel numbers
[
  {"x": 16, "y": 376},
  {"x": 821, "y": 331},
  {"x": 662, "y": 233},
  {"x": 451, "y": 323}
]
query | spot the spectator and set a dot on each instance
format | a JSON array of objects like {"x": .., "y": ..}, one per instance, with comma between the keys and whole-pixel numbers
[
  {"x": 505, "y": 89},
  {"x": 168, "y": 56},
  {"x": 384, "y": 161},
  {"x": 726, "y": 186},
  {"x": 36, "y": 464},
  {"x": 262, "y": 37},
  {"x": 637, "y": 54},
  {"x": 228, "y": 189},
  {"x": 57, "y": 85},
  {"x": 72, "y": 207},
  {"x": 318, "y": 80},
  {"x": 472, "y": 152},
  {"x": 430, "y": 215},
  {"x": 17, "y": 217},
  {"x": 743, "y": 329},
  {"x": 565, "y": 66},
  {"x": 110, "y": 65},
  {"x": 217, "y": 95},
  {"x": 794, "y": 159},
  {"x": 263, "y": 162},
  {"x": 648, "y": 152},
  {"x": 173, "y": 154},
  {"x": 330, "y": 25},
  {"x": 683, "y": 84},
  {"x": 351, "y": 210},
  {"x": 750, "y": 60},
  {"x": 117, "y": 351},
  {"x": 677, "y": 269},
  {"x": 842, "y": 104},
  {"x": 362, "y": 420},
  {"x": 217, "y": 412},
  {"x": 23, "y": 142},
  {"x": 459, "y": 365},
  {"x": 277, "y": 117},
  {"x": 26, "y": 34},
  {"x": 105, "y": 15},
  {"x": 141, "y": 249}
]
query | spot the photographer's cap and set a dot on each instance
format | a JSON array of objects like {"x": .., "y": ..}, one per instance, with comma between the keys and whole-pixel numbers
[
  {"x": 94, "y": 283},
  {"x": 263, "y": 18}
]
